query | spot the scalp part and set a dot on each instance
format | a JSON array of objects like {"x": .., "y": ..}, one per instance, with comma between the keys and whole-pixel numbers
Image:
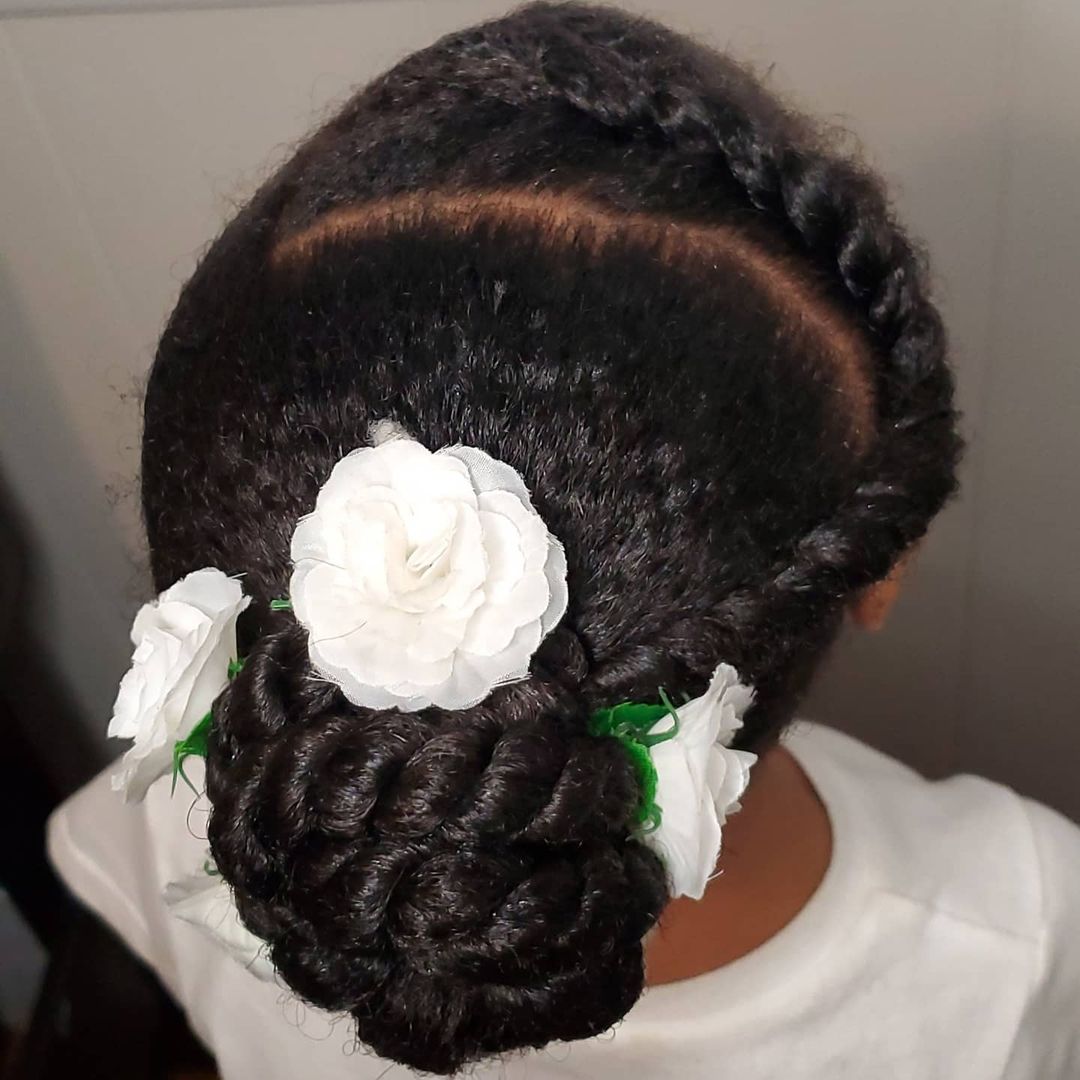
[{"x": 804, "y": 311}]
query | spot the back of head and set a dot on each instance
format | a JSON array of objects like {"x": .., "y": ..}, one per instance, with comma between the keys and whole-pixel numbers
[{"x": 613, "y": 260}]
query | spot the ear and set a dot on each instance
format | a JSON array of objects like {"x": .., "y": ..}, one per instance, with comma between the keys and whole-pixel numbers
[{"x": 871, "y": 607}]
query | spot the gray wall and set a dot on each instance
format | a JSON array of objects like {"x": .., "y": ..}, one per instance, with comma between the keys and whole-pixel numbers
[{"x": 128, "y": 136}]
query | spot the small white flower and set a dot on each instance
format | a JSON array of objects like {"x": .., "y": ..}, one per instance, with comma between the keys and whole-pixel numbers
[
  {"x": 183, "y": 642},
  {"x": 699, "y": 782},
  {"x": 205, "y": 901},
  {"x": 424, "y": 578}
]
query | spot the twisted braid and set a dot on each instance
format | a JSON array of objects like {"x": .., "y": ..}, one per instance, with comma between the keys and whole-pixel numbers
[{"x": 639, "y": 78}]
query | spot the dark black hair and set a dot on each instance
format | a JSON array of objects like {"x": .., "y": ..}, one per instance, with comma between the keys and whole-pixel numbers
[{"x": 616, "y": 261}]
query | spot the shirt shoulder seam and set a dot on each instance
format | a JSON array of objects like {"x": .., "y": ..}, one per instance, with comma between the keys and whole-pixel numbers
[
  {"x": 1036, "y": 936},
  {"x": 1037, "y": 939}
]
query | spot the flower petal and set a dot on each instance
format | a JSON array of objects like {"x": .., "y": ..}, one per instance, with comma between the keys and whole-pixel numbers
[
  {"x": 488, "y": 473},
  {"x": 184, "y": 641},
  {"x": 494, "y": 625},
  {"x": 505, "y": 555},
  {"x": 533, "y": 537},
  {"x": 729, "y": 775},
  {"x": 688, "y": 838},
  {"x": 309, "y": 539},
  {"x": 558, "y": 591},
  {"x": 403, "y": 465},
  {"x": 325, "y": 599},
  {"x": 209, "y": 591},
  {"x": 699, "y": 782}
]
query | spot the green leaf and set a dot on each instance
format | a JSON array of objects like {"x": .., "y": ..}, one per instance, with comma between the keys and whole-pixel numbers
[{"x": 192, "y": 745}]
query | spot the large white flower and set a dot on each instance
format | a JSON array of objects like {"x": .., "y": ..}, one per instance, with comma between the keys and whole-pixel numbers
[
  {"x": 424, "y": 578},
  {"x": 699, "y": 782},
  {"x": 183, "y": 642}
]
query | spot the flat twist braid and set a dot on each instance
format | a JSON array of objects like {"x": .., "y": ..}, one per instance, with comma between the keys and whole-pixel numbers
[{"x": 636, "y": 77}]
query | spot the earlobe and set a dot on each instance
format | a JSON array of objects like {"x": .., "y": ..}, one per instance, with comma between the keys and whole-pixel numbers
[{"x": 870, "y": 608}]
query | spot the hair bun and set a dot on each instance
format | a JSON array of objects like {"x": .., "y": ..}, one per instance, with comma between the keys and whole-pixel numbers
[{"x": 462, "y": 883}]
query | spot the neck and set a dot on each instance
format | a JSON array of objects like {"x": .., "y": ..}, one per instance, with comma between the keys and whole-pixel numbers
[{"x": 775, "y": 853}]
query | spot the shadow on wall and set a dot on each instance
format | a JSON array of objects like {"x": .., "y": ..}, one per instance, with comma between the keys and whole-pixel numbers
[
  {"x": 41, "y": 721},
  {"x": 78, "y": 586}
]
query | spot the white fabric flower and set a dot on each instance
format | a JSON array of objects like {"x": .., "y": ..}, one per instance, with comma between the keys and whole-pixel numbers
[
  {"x": 205, "y": 900},
  {"x": 699, "y": 782},
  {"x": 424, "y": 578},
  {"x": 184, "y": 641}
]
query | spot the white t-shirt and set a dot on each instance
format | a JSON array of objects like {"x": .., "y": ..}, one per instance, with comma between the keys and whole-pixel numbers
[{"x": 943, "y": 942}]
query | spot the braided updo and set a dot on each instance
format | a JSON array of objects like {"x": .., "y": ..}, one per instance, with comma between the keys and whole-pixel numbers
[
  {"x": 613, "y": 260},
  {"x": 466, "y": 880}
]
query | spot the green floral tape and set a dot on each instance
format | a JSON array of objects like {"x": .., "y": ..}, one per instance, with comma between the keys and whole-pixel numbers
[{"x": 632, "y": 723}]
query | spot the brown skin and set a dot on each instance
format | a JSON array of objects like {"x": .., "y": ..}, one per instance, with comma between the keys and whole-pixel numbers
[{"x": 776, "y": 851}]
